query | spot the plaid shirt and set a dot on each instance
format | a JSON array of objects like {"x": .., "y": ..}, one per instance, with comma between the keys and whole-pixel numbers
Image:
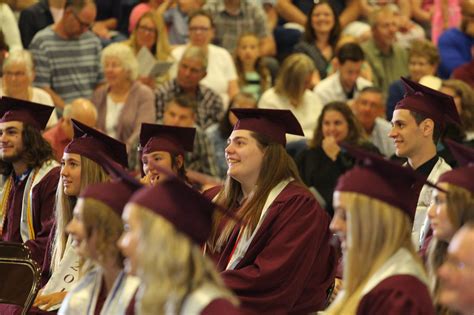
[
  {"x": 251, "y": 18},
  {"x": 202, "y": 158},
  {"x": 209, "y": 104}
]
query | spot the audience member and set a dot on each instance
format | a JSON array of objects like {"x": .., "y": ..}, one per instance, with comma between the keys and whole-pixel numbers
[
  {"x": 265, "y": 192},
  {"x": 382, "y": 271},
  {"x": 346, "y": 83},
  {"x": 181, "y": 112},
  {"x": 455, "y": 44},
  {"x": 140, "y": 9},
  {"x": 219, "y": 133},
  {"x": 322, "y": 31},
  {"x": 176, "y": 18},
  {"x": 254, "y": 76},
  {"x": 221, "y": 74},
  {"x": 17, "y": 82},
  {"x": 324, "y": 161},
  {"x": 39, "y": 15},
  {"x": 123, "y": 103},
  {"x": 387, "y": 60},
  {"x": 293, "y": 91},
  {"x": 465, "y": 72},
  {"x": 9, "y": 27},
  {"x": 456, "y": 274},
  {"x": 66, "y": 55},
  {"x": 191, "y": 70},
  {"x": 163, "y": 247},
  {"x": 423, "y": 60},
  {"x": 232, "y": 18},
  {"x": 418, "y": 122},
  {"x": 107, "y": 21},
  {"x": 62, "y": 133}
]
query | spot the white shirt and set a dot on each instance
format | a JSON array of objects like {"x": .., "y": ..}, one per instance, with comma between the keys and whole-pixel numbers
[
  {"x": 9, "y": 28},
  {"x": 112, "y": 117},
  {"x": 307, "y": 113},
  {"x": 380, "y": 138},
  {"x": 330, "y": 89}
]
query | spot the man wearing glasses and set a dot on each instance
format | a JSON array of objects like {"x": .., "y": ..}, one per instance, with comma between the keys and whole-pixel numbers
[{"x": 67, "y": 54}]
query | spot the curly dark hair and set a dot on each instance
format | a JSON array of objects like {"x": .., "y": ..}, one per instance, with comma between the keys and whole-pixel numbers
[{"x": 36, "y": 150}]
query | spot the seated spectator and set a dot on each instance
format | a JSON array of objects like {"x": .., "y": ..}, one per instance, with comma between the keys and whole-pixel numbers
[
  {"x": 176, "y": 18},
  {"x": 456, "y": 274},
  {"x": 234, "y": 18},
  {"x": 62, "y": 133},
  {"x": 122, "y": 103},
  {"x": 423, "y": 60},
  {"x": 221, "y": 75},
  {"x": 140, "y": 9},
  {"x": 346, "y": 83},
  {"x": 386, "y": 58},
  {"x": 323, "y": 162},
  {"x": 37, "y": 16},
  {"x": 455, "y": 44},
  {"x": 181, "y": 112},
  {"x": 322, "y": 31},
  {"x": 191, "y": 70},
  {"x": 254, "y": 76},
  {"x": 66, "y": 55},
  {"x": 151, "y": 33},
  {"x": 465, "y": 72},
  {"x": 369, "y": 110},
  {"x": 17, "y": 82},
  {"x": 219, "y": 133},
  {"x": 451, "y": 208},
  {"x": 293, "y": 91},
  {"x": 9, "y": 27}
]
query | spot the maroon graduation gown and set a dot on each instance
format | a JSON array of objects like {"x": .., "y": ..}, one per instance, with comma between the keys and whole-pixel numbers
[
  {"x": 221, "y": 306},
  {"x": 400, "y": 294},
  {"x": 289, "y": 264},
  {"x": 43, "y": 195}
]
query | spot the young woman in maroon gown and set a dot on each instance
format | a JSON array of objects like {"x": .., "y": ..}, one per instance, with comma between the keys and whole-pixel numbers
[
  {"x": 279, "y": 261},
  {"x": 374, "y": 211}
]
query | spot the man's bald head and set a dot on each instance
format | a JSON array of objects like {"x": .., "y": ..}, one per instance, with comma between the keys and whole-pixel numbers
[{"x": 82, "y": 110}]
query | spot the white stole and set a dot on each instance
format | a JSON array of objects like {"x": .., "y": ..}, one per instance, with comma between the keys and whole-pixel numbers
[
  {"x": 198, "y": 300},
  {"x": 82, "y": 300},
  {"x": 244, "y": 239},
  {"x": 65, "y": 276}
]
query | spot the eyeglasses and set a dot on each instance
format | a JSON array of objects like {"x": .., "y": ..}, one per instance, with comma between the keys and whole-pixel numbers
[
  {"x": 81, "y": 23},
  {"x": 146, "y": 29},
  {"x": 196, "y": 29},
  {"x": 14, "y": 74}
]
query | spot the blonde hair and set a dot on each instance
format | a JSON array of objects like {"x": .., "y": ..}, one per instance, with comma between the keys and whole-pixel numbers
[
  {"x": 375, "y": 232},
  {"x": 292, "y": 77},
  {"x": 91, "y": 173},
  {"x": 173, "y": 270},
  {"x": 460, "y": 209}
]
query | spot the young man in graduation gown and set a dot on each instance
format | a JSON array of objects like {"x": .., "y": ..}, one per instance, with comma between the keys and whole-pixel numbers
[
  {"x": 418, "y": 122},
  {"x": 29, "y": 175},
  {"x": 279, "y": 260}
]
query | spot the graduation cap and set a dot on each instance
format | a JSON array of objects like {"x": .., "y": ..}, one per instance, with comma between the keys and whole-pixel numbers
[
  {"x": 115, "y": 193},
  {"x": 273, "y": 123},
  {"x": 382, "y": 179},
  {"x": 430, "y": 103},
  {"x": 34, "y": 114},
  {"x": 94, "y": 144},
  {"x": 166, "y": 138},
  {"x": 464, "y": 175}
]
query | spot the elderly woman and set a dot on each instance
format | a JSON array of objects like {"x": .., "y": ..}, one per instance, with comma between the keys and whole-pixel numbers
[
  {"x": 18, "y": 76},
  {"x": 150, "y": 32},
  {"x": 123, "y": 103}
]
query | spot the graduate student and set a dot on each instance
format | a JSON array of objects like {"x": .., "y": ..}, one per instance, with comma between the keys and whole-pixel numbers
[
  {"x": 279, "y": 261},
  {"x": 382, "y": 272},
  {"x": 162, "y": 242},
  {"x": 165, "y": 146},
  {"x": 95, "y": 229},
  {"x": 81, "y": 165}
]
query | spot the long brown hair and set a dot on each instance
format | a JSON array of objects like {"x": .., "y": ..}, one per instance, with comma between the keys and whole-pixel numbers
[{"x": 277, "y": 166}]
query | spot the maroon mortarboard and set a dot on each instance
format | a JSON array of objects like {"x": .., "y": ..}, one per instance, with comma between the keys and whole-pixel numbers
[
  {"x": 115, "y": 193},
  {"x": 166, "y": 138},
  {"x": 464, "y": 155},
  {"x": 34, "y": 114},
  {"x": 381, "y": 179},
  {"x": 430, "y": 103},
  {"x": 92, "y": 144},
  {"x": 464, "y": 175},
  {"x": 273, "y": 123}
]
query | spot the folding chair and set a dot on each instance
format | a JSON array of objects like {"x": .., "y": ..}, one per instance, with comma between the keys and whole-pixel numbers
[{"x": 20, "y": 276}]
